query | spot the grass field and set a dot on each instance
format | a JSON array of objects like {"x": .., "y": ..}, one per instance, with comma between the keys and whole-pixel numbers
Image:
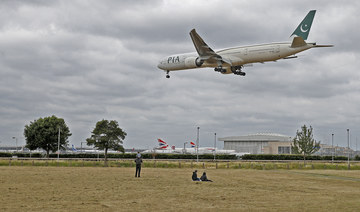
[{"x": 171, "y": 189}]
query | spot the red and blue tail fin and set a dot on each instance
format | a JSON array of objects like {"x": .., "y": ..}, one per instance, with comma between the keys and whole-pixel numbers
[
  {"x": 192, "y": 144},
  {"x": 162, "y": 144}
]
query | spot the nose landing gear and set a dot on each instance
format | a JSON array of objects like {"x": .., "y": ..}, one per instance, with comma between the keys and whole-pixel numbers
[{"x": 167, "y": 74}]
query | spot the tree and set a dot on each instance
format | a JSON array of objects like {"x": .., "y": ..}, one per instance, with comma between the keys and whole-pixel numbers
[
  {"x": 304, "y": 143},
  {"x": 107, "y": 135},
  {"x": 44, "y": 133}
]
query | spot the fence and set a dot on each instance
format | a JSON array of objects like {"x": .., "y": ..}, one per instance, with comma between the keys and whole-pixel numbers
[{"x": 191, "y": 164}]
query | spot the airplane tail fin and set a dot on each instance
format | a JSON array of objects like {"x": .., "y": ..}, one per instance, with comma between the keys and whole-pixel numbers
[
  {"x": 304, "y": 27},
  {"x": 162, "y": 144},
  {"x": 73, "y": 148},
  {"x": 192, "y": 144}
]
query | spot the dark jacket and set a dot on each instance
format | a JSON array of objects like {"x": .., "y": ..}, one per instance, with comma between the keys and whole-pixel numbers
[
  {"x": 203, "y": 177},
  {"x": 194, "y": 176},
  {"x": 138, "y": 161}
]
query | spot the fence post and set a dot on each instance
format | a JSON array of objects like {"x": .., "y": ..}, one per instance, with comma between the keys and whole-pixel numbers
[
  {"x": 263, "y": 166},
  {"x": 239, "y": 165},
  {"x": 33, "y": 163},
  {"x": 179, "y": 164},
  {"x": 216, "y": 165},
  {"x": 203, "y": 165}
]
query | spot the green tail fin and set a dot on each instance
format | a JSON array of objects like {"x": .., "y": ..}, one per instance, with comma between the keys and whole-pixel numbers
[{"x": 304, "y": 27}]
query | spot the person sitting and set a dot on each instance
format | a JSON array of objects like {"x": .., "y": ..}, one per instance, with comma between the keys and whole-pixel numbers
[
  {"x": 204, "y": 178},
  {"x": 194, "y": 176}
]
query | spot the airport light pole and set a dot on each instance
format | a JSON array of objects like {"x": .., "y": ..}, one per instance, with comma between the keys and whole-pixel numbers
[
  {"x": 58, "y": 155},
  {"x": 16, "y": 142},
  {"x": 348, "y": 139},
  {"x": 214, "y": 146},
  {"x": 332, "y": 147},
  {"x": 184, "y": 147},
  {"x": 81, "y": 146},
  {"x": 197, "y": 145}
]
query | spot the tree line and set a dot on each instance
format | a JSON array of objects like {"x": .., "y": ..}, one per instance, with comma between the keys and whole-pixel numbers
[{"x": 52, "y": 133}]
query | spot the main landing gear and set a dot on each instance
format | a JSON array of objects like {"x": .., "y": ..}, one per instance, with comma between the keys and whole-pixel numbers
[
  {"x": 237, "y": 70},
  {"x": 167, "y": 74},
  {"x": 220, "y": 69}
]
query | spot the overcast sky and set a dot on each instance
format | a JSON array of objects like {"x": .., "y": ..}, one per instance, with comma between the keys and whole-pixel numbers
[{"x": 85, "y": 61}]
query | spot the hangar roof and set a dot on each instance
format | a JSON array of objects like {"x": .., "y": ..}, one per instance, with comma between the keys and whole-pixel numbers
[{"x": 258, "y": 137}]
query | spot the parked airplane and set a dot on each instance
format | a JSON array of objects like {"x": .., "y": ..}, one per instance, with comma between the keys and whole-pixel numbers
[
  {"x": 232, "y": 60},
  {"x": 164, "y": 148}
]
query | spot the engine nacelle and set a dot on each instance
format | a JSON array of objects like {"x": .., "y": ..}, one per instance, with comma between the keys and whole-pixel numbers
[{"x": 193, "y": 62}]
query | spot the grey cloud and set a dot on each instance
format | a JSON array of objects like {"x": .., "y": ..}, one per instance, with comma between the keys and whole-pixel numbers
[{"x": 93, "y": 60}]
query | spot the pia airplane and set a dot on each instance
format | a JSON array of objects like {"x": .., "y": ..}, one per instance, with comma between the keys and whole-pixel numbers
[{"x": 232, "y": 60}]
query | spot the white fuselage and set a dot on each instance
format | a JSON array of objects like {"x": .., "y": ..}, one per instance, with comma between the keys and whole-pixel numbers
[{"x": 237, "y": 56}]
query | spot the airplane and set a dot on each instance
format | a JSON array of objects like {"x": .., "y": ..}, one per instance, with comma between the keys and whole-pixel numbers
[
  {"x": 232, "y": 60},
  {"x": 164, "y": 148}
]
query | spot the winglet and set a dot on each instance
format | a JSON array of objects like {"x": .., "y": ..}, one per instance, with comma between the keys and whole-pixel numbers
[{"x": 304, "y": 27}]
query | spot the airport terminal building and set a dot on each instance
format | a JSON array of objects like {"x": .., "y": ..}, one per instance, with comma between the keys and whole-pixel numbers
[{"x": 260, "y": 143}]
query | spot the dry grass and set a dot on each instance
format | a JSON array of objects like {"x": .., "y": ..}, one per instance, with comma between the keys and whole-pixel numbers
[{"x": 165, "y": 189}]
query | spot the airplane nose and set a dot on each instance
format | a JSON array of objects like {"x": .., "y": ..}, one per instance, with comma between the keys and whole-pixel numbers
[{"x": 160, "y": 65}]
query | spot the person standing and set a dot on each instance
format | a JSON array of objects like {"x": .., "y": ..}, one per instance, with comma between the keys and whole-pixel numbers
[{"x": 138, "y": 162}]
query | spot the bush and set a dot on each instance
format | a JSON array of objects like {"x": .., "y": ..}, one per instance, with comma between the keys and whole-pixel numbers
[{"x": 290, "y": 157}]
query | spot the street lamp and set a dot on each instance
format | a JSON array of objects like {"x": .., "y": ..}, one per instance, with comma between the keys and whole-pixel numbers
[
  {"x": 16, "y": 142},
  {"x": 215, "y": 147},
  {"x": 82, "y": 147},
  {"x": 348, "y": 138},
  {"x": 197, "y": 145},
  {"x": 184, "y": 147},
  {"x": 332, "y": 147},
  {"x": 58, "y": 155}
]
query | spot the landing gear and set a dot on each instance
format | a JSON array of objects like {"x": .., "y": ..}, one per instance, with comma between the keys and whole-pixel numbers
[
  {"x": 220, "y": 69},
  {"x": 167, "y": 74},
  {"x": 237, "y": 70}
]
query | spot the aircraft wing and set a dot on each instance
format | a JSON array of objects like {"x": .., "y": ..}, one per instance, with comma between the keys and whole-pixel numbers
[{"x": 204, "y": 51}]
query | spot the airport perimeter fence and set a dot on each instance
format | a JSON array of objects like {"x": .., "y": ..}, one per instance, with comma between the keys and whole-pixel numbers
[
  {"x": 190, "y": 164},
  {"x": 181, "y": 156}
]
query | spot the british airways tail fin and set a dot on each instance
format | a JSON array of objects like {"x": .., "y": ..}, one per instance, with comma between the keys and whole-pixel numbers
[
  {"x": 304, "y": 27},
  {"x": 162, "y": 144}
]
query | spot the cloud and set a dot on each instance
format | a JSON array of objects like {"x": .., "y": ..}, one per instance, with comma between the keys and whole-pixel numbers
[{"x": 94, "y": 60}]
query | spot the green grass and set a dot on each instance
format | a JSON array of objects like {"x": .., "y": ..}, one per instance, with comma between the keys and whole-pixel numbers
[{"x": 41, "y": 188}]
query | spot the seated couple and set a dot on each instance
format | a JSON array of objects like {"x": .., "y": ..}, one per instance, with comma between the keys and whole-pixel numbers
[{"x": 202, "y": 178}]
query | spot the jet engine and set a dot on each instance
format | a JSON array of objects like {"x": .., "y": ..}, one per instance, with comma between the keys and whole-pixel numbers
[{"x": 193, "y": 62}]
